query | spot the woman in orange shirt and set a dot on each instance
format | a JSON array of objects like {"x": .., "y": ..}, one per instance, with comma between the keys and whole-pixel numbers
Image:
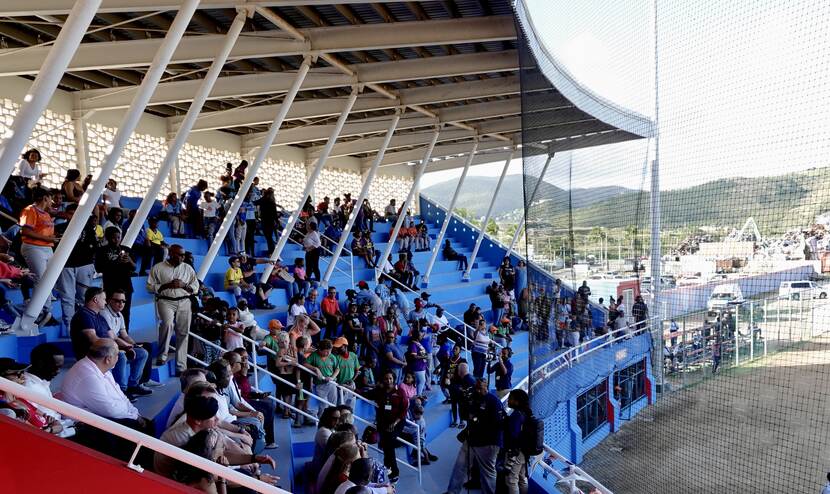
[{"x": 37, "y": 232}]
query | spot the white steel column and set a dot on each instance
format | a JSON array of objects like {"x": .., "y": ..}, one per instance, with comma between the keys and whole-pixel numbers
[
  {"x": 174, "y": 147},
  {"x": 437, "y": 247},
  {"x": 489, "y": 214},
  {"x": 529, "y": 202},
  {"x": 415, "y": 184},
  {"x": 88, "y": 201},
  {"x": 250, "y": 174},
  {"x": 46, "y": 82},
  {"x": 309, "y": 186},
  {"x": 81, "y": 138},
  {"x": 656, "y": 278},
  {"x": 364, "y": 192}
]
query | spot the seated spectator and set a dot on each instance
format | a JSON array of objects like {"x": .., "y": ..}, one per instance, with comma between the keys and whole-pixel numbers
[
  {"x": 403, "y": 237},
  {"x": 232, "y": 407},
  {"x": 390, "y": 212},
  {"x": 360, "y": 477},
  {"x": 89, "y": 385},
  {"x": 256, "y": 400},
  {"x": 281, "y": 278},
  {"x": 14, "y": 371},
  {"x": 132, "y": 357},
  {"x": 295, "y": 309},
  {"x": 234, "y": 281},
  {"x": 249, "y": 323},
  {"x": 500, "y": 332},
  {"x": 340, "y": 462},
  {"x": 325, "y": 427},
  {"x": 451, "y": 254},
  {"x": 187, "y": 379},
  {"x": 47, "y": 361},
  {"x": 313, "y": 309},
  {"x": 154, "y": 246},
  {"x": 248, "y": 266},
  {"x": 233, "y": 329},
  {"x": 422, "y": 239},
  {"x": 402, "y": 273},
  {"x": 71, "y": 187},
  {"x": 173, "y": 210},
  {"x": 360, "y": 248},
  {"x": 199, "y": 414},
  {"x": 115, "y": 216}
]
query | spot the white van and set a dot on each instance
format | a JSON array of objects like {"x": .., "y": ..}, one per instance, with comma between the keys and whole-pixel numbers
[
  {"x": 796, "y": 290},
  {"x": 723, "y": 296}
]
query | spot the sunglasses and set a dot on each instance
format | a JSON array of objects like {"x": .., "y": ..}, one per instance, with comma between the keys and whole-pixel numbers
[
  {"x": 13, "y": 374},
  {"x": 118, "y": 300}
]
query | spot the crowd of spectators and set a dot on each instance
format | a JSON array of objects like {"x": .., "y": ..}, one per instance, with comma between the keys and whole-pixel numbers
[{"x": 371, "y": 342}]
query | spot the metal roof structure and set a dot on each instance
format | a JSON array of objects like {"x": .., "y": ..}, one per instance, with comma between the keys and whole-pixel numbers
[{"x": 451, "y": 62}]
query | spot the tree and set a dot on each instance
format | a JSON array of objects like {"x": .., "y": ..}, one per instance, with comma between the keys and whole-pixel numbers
[
  {"x": 492, "y": 228},
  {"x": 464, "y": 213}
]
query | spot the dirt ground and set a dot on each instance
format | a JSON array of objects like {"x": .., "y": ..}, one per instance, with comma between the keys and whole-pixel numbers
[{"x": 761, "y": 428}]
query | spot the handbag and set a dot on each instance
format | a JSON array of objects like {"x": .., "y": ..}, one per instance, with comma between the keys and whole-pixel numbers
[
  {"x": 370, "y": 435},
  {"x": 286, "y": 276}
]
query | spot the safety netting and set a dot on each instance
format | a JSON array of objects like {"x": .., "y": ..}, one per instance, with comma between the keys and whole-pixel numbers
[{"x": 678, "y": 233}]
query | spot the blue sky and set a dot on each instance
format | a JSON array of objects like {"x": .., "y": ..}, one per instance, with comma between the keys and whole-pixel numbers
[{"x": 744, "y": 86}]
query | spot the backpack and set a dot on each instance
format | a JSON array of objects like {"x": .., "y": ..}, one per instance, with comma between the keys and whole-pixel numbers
[{"x": 532, "y": 436}]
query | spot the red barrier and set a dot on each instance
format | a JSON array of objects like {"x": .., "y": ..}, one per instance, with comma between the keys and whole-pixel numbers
[{"x": 34, "y": 461}]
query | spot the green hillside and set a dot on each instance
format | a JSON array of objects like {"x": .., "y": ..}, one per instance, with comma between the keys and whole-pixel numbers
[{"x": 777, "y": 203}]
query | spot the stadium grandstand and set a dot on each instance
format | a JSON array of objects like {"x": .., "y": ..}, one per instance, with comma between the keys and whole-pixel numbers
[{"x": 224, "y": 265}]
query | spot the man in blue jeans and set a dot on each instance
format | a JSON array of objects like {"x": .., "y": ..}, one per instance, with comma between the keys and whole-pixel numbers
[{"x": 132, "y": 358}]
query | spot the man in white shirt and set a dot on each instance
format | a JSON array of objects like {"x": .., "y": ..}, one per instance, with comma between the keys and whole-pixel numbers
[
  {"x": 47, "y": 360},
  {"x": 200, "y": 414},
  {"x": 131, "y": 357},
  {"x": 89, "y": 385},
  {"x": 173, "y": 282},
  {"x": 312, "y": 245},
  {"x": 390, "y": 211}
]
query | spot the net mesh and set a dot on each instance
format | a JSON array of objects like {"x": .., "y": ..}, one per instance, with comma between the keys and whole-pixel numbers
[{"x": 722, "y": 386}]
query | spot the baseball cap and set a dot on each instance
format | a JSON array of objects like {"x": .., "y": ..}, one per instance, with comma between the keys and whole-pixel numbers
[
  {"x": 274, "y": 324},
  {"x": 425, "y": 295},
  {"x": 8, "y": 365},
  {"x": 419, "y": 302},
  {"x": 339, "y": 342},
  {"x": 363, "y": 284}
]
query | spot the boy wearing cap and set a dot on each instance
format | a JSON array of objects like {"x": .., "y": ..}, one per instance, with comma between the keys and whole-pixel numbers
[{"x": 348, "y": 364}]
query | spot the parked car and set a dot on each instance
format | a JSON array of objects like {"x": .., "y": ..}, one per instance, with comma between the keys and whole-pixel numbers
[
  {"x": 723, "y": 296},
  {"x": 796, "y": 290}
]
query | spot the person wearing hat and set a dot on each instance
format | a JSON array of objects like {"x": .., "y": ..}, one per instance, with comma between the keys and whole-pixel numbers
[
  {"x": 367, "y": 296},
  {"x": 24, "y": 409},
  {"x": 348, "y": 364}
]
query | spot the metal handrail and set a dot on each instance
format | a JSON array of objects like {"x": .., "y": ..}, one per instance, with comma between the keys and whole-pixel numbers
[
  {"x": 140, "y": 439},
  {"x": 351, "y": 262},
  {"x": 320, "y": 399},
  {"x": 574, "y": 472},
  {"x": 575, "y": 353}
]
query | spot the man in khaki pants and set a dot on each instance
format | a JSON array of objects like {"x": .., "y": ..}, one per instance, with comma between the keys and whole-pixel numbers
[{"x": 173, "y": 282}]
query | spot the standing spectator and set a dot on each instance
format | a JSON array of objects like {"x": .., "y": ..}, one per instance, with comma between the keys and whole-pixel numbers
[
  {"x": 481, "y": 345},
  {"x": 209, "y": 210},
  {"x": 325, "y": 365},
  {"x": 37, "y": 231},
  {"x": 113, "y": 261},
  {"x": 640, "y": 312},
  {"x": 331, "y": 312},
  {"x": 269, "y": 216},
  {"x": 173, "y": 283},
  {"x": 312, "y": 246},
  {"x": 392, "y": 406},
  {"x": 173, "y": 209},
  {"x": 194, "y": 213},
  {"x": 461, "y": 387},
  {"x": 393, "y": 359},
  {"x": 111, "y": 194},
  {"x": 29, "y": 167},
  {"x": 247, "y": 215},
  {"x": 348, "y": 365},
  {"x": 416, "y": 358},
  {"x": 233, "y": 328},
  {"x": 584, "y": 290},
  {"x": 76, "y": 275},
  {"x": 482, "y": 441},
  {"x": 515, "y": 461},
  {"x": 132, "y": 357},
  {"x": 503, "y": 368},
  {"x": 507, "y": 274},
  {"x": 620, "y": 322},
  {"x": 301, "y": 282}
]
